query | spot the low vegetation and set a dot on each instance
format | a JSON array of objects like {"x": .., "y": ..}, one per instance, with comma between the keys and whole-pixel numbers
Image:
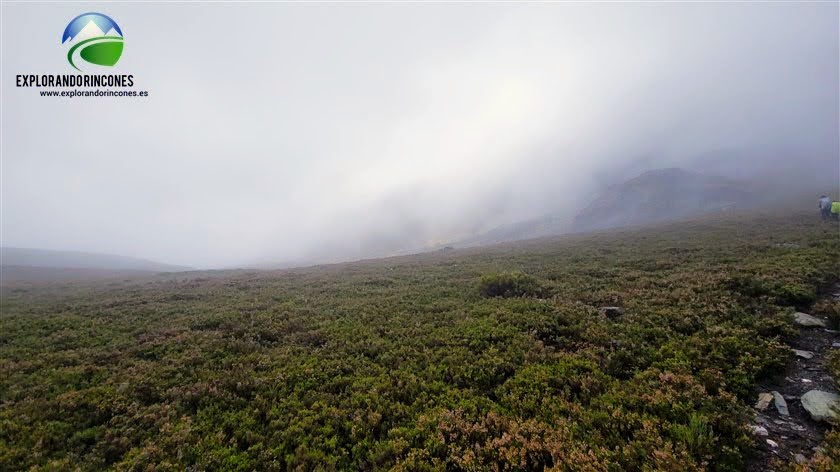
[
  {"x": 485, "y": 359},
  {"x": 831, "y": 310},
  {"x": 509, "y": 284}
]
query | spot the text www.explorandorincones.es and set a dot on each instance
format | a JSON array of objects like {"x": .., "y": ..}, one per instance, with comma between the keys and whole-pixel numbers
[{"x": 94, "y": 93}]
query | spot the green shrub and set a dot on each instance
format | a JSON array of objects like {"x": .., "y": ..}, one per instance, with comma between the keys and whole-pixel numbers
[
  {"x": 747, "y": 285},
  {"x": 826, "y": 459},
  {"x": 833, "y": 365},
  {"x": 793, "y": 294},
  {"x": 829, "y": 309},
  {"x": 697, "y": 436},
  {"x": 509, "y": 284},
  {"x": 785, "y": 294}
]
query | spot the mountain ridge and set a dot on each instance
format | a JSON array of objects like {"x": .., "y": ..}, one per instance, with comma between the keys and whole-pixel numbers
[
  {"x": 662, "y": 195},
  {"x": 49, "y": 258},
  {"x": 646, "y": 195}
]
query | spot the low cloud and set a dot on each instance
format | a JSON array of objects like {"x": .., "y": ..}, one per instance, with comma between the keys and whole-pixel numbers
[{"x": 289, "y": 132}]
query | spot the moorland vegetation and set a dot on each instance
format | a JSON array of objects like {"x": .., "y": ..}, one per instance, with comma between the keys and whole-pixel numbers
[{"x": 496, "y": 358}]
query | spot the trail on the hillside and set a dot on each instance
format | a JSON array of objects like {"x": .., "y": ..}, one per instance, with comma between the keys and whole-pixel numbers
[{"x": 794, "y": 437}]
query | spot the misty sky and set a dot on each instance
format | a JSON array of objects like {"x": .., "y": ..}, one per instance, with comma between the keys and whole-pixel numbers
[{"x": 287, "y": 132}]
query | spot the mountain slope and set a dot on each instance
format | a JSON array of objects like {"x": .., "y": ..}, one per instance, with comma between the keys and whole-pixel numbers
[
  {"x": 663, "y": 194},
  {"x": 528, "y": 229},
  {"x": 25, "y": 257},
  {"x": 366, "y": 365}
]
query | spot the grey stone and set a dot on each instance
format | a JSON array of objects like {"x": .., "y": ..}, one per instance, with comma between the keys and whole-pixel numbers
[
  {"x": 781, "y": 404},
  {"x": 758, "y": 430},
  {"x": 763, "y": 400},
  {"x": 835, "y": 345},
  {"x": 800, "y": 459},
  {"x": 803, "y": 354},
  {"x": 808, "y": 321},
  {"x": 822, "y": 406},
  {"x": 772, "y": 443}
]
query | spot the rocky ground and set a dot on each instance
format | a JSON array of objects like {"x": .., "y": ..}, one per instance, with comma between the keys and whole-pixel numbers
[{"x": 789, "y": 421}]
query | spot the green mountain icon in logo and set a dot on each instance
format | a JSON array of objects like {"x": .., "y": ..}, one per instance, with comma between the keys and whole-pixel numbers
[{"x": 93, "y": 38}]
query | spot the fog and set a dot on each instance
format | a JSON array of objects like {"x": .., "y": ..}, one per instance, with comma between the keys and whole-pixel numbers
[{"x": 292, "y": 132}]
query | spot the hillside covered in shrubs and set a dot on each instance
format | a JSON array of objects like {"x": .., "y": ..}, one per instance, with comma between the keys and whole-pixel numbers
[
  {"x": 665, "y": 194},
  {"x": 494, "y": 358}
]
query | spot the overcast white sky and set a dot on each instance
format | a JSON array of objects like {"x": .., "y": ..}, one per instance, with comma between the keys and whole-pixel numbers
[{"x": 279, "y": 132}]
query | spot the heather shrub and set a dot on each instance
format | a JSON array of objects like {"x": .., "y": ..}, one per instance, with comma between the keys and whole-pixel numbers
[
  {"x": 509, "y": 284},
  {"x": 829, "y": 309},
  {"x": 827, "y": 459},
  {"x": 833, "y": 364},
  {"x": 697, "y": 435},
  {"x": 784, "y": 293}
]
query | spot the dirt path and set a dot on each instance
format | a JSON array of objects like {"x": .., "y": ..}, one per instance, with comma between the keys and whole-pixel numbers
[{"x": 795, "y": 437}]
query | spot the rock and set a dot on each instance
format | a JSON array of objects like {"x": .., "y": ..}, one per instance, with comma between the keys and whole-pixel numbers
[
  {"x": 808, "y": 321},
  {"x": 772, "y": 443},
  {"x": 806, "y": 381},
  {"x": 822, "y": 406},
  {"x": 763, "y": 400},
  {"x": 803, "y": 354},
  {"x": 612, "y": 312},
  {"x": 835, "y": 345},
  {"x": 758, "y": 430},
  {"x": 799, "y": 459},
  {"x": 780, "y": 403}
]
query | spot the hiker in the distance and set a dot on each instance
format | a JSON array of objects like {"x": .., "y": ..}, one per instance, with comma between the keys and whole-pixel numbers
[
  {"x": 835, "y": 211},
  {"x": 825, "y": 207}
]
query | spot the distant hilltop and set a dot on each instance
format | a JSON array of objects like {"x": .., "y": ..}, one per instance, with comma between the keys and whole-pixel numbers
[
  {"x": 663, "y": 194},
  {"x": 43, "y": 258}
]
